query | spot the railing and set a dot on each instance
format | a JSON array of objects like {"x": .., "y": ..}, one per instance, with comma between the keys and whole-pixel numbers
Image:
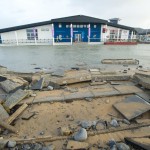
[{"x": 25, "y": 41}]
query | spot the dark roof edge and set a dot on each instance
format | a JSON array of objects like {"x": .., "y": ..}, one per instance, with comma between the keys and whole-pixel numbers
[
  {"x": 121, "y": 26},
  {"x": 25, "y": 26}
]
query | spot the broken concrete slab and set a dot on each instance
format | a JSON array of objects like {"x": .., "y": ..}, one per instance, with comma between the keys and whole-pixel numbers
[
  {"x": 132, "y": 107},
  {"x": 140, "y": 121},
  {"x": 120, "y": 61},
  {"x": 127, "y": 89},
  {"x": 72, "y": 80},
  {"x": 144, "y": 74},
  {"x": 38, "y": 85},
  {"x": 7, "y": 126},
  {"x": 28, "y": 115},
  {"x": 104, "y": 92},
  {"x": 17, "y": 113},
  {"x": 98, "y": 83},
  {"x": 14, "y": 99},
  {"x": 110, "y": 77},
  {"x": 10, "y": 86},
  {"x": 59, "y": 73},
  {"x": 3, "y": 113},
  {"x": 84, "y": 93},
  {"x": 144, "y": 95},
  {"x": 74, "y": 145},
  {"x": 139, "y": 143},
  {"x": 142, "y": 80}
]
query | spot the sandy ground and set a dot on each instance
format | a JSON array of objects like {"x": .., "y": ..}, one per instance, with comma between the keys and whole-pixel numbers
[{"x": 51, "y": 116}]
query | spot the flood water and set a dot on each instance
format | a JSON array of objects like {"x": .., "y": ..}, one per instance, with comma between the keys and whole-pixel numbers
[{"x": 26, "y": 58}]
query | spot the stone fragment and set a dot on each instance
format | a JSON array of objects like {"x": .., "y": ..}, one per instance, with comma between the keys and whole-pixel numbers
[
  {"x": 50, "y": 88},
  {"x": 87, "y": 124},
  {"x": 114, "y": 123},
  {"x": 81, "y": 135},
  {"x": 38, "y": 85},
  {"x": 122, "y": 146},
  {"x": 65, "y": 131},
  {"x": 15, "y": 98},
  {"x": 74, "y": 145},
  {"x": 11, "y": 144}
]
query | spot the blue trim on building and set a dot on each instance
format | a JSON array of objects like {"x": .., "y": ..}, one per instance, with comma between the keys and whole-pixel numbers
[
  {"x": 62, "y": 32},
  {"x": 95, "y": 33}
]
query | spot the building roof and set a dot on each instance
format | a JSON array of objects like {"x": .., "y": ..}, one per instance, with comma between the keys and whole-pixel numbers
[
  {"x": 141, "y": 31},
  {"x": 120, "y": 26},
  {"x": 70, "y": 19},
  {"x": 25, "y": 26},
  {"x": 80, "y": 19}
]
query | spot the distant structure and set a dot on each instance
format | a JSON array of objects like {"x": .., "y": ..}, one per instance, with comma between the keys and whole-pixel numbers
[
  {"x": 143, "y": 35},
  {"x": 114, "y": 20},
  {"x": 66, "y": 31}
]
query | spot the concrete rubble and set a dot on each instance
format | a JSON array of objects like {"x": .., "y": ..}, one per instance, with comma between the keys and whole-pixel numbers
[{"x": 75, "y": 109}]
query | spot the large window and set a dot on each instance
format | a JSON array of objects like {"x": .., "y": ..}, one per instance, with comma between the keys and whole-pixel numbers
[{"x": 32, "y": 34}]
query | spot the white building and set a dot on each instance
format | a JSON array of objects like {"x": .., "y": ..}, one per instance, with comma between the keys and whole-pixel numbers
[{"x": 67, "y": 30}]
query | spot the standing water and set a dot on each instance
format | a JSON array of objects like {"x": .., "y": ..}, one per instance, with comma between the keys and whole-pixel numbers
[{"x": 26, "y": 58}]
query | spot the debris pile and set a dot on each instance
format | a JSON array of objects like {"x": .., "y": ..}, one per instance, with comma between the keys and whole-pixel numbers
[{"x": 75, "y": 109}]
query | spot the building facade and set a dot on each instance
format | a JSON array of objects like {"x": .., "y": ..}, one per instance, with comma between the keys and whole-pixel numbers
[{"x": 67, "y": 30}]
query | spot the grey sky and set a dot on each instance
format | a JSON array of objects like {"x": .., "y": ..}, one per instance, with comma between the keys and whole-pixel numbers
[{"x": 133, "y": 13}]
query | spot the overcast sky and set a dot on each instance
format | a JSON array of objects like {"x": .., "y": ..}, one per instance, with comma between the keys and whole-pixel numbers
[{"x": 134, "y": 13}]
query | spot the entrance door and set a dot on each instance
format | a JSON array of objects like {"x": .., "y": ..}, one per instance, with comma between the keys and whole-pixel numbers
[{"x": 78, "y": 38}]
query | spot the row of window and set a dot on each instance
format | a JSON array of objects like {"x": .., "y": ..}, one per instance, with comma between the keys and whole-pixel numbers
[
  {"x": 76, "y": 26},
  {"x": 32, "y": 34}
]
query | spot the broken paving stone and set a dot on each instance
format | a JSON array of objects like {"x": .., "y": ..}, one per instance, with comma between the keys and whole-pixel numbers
[
  {"x": 10, "y": 86},
  {"x": 15, "y": 98},
  {"x": 81, "y": 135},
  {"x": 65, "y": 131},
  {"x": 132, "y": 107},
  {"x": 28, "y": 115},
  {"x": 38, "y": 85},
  {"x": 3, "y": 113},
  {"x": 74, "y": 145},
  {"x": 142, "y": 143}
]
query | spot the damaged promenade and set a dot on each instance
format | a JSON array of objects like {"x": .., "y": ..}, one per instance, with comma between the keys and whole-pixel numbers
[{"x": 77, "y": 109}]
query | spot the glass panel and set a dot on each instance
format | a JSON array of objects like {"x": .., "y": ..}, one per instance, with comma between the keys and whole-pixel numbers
[
  {"x": 95, "y": 26},
  {"x": 81, "y": 26},
  {"x": 60, "y": 25}
]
